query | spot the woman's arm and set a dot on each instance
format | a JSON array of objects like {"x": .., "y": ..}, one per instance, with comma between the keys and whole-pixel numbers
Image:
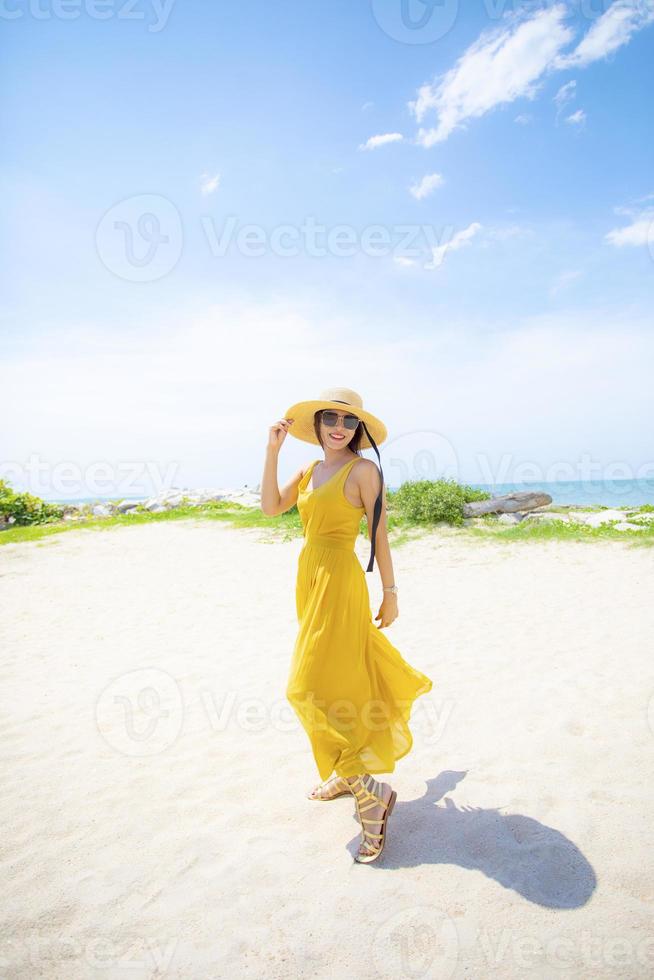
[
  {"x": 273, "y": 500},
  {"x": 370, "y": 481}
]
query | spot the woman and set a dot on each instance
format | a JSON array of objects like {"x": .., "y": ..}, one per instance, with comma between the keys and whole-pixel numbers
[{"x": 349, "y": 686}]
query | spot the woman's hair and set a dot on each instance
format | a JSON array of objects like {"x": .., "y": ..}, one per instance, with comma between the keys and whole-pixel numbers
[{"x": 355, "y": 442}]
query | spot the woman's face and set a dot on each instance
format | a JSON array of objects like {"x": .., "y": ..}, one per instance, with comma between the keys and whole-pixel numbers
[{"x": 336, "y": 436}]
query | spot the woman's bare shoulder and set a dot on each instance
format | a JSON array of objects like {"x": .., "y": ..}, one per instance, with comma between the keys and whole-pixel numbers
[
  {"x": 367, "y": 474},
  {"x": 365, "y": 466}
]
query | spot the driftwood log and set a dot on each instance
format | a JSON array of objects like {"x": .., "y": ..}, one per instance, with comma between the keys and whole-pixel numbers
[{"x": 508, "y": 503}]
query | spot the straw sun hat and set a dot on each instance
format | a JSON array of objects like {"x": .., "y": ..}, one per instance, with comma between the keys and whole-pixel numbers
[
  {"x": 374, "y": 432},
  {"x": 336, "y": 398}
]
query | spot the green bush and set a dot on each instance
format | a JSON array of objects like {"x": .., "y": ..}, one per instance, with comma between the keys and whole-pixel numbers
[
  {"x": 431, "y": 501},
  {"x": 25, "y": 508}
]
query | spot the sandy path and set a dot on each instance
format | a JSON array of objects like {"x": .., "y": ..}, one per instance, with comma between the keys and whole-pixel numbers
[{"x": 153, "y": 811}]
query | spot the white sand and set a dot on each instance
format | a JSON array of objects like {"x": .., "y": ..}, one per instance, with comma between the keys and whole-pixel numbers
[{"x": 146, "y": 832}]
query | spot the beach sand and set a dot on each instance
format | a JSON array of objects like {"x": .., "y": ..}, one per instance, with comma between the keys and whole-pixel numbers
[{"x": 154, "y": 777}]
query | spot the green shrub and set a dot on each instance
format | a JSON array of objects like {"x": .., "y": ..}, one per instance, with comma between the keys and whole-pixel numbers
[
  {"x": 431, "y": 501},
  {"x": 25, "y": 508}
]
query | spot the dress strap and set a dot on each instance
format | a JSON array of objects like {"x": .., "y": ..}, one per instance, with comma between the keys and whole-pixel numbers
[
  {"x": 348, "y": 466},
  {"x": 307, "y": 475}
]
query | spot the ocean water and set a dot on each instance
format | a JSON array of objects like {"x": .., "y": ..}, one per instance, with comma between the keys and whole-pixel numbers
[{"x": 610, "y": 493}]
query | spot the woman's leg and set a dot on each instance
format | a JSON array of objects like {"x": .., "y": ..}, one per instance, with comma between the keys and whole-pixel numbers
[{"x": 372, "y": 799}]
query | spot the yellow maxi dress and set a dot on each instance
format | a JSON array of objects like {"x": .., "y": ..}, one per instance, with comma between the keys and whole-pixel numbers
[{"x": 349, "y": 686}]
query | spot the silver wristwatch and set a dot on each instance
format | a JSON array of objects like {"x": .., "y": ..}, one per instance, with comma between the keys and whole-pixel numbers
[{"x": 391, "y": 588}]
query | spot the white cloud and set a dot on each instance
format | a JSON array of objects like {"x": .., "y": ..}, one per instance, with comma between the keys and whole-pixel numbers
[
  {"x": 563, "y": 280},
  {"x": 577, "y": 118},
  {"x": 486, "y": 237},
  {"x": 639, "y": 232},
  {"x": 565, "y": 93},
  {"x": 376, "y": 141},
  {"x": 500, "y": 66},
  {"x": 630, "y": 211},
  {"x": 209, "y": 183},
  {"x": 508, "y": 62},
  {"x": 196, "y": 413},
  {"x": 425, "y": 186},
  {"x": 610, "y": 31},
  {"x": 460, "y": 240},
  {"x": 366, "y": 106},
  {"x": 523, "y": 118},
  {"x": 193, "y": 413}
]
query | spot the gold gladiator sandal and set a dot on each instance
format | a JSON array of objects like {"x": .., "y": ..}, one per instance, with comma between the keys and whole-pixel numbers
[
  {"x": 328, "y": 786},
  {"x": 367, "y": 796}
]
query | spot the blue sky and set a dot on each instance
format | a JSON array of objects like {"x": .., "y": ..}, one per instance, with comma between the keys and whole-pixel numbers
[{"x": 501, "y": 155}]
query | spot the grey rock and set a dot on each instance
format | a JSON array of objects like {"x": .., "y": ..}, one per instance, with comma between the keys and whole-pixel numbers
[
  {"x": 510, "y": 518},
  {"x": 124, "y": 505},
  {"x": 508, "y": 503},
  {"x": 170, "y": 502}
]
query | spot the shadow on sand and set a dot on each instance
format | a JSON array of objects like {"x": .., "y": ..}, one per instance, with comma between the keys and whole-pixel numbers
[{"x": 520, "y": 853}]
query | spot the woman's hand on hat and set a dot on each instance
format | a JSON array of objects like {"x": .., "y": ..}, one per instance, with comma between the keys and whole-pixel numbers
[{"x": 277, "y": 433}]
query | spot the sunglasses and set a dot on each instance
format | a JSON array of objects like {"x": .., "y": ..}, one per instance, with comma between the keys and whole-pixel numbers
[{"x": 330, "y": 418}]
